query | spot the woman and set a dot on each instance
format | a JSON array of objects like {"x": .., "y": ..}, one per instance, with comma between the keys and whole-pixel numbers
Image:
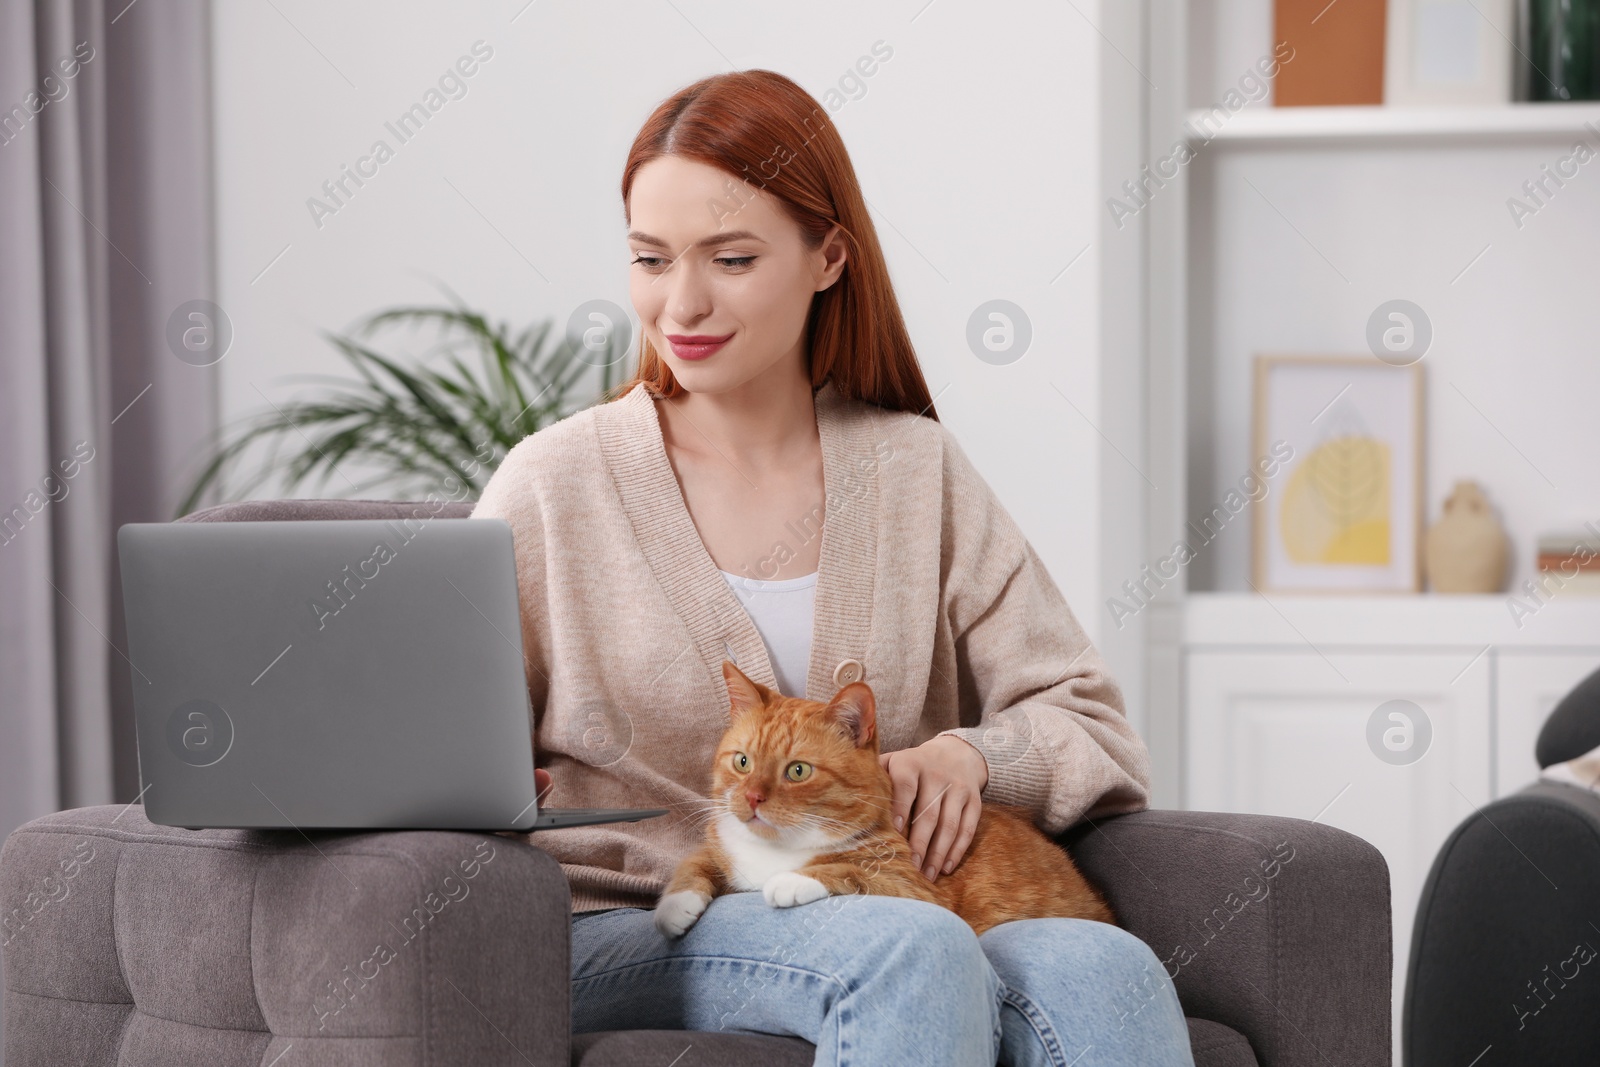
[{"x": 774, "y": 488}]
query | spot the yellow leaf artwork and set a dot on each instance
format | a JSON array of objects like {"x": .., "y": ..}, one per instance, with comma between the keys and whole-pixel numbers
[{"x": 1336, "y": 506}]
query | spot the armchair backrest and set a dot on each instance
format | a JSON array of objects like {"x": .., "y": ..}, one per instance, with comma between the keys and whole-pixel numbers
[
  {"x": 295, "y": 510},
  {"x": 1573, "y": 727}
]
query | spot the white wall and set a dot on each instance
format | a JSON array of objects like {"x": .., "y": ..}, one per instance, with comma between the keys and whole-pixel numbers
[
  {"x": 1226, "y": 37},
  {"x": 976, "y": 143},
  {"x": 1130, "y": 467}
]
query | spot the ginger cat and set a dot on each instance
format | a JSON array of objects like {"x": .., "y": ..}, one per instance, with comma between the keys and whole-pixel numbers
[{"x": 801, "y": 810}]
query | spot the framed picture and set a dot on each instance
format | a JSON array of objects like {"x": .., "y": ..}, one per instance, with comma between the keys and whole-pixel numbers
[
  {"x": 1448, "y": 52},
  {"x": 1344, "y": 509}
]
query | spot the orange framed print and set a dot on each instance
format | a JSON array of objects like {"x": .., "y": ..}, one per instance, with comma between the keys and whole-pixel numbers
[{"x": 1346, "y": 507}]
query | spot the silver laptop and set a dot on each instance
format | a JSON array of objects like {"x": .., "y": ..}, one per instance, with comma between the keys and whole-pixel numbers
[{"x": 333, "y": 674}]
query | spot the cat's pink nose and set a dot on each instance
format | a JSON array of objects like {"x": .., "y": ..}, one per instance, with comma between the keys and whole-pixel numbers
[{"x": 753, "y": 799}]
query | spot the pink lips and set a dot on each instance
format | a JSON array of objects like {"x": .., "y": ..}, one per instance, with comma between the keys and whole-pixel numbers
[{"x": 695, "y": 346}]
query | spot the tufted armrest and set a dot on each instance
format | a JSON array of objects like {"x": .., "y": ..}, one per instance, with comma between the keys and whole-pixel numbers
[
  {"x": 127, "y": 942},
  {"x": 1276, "y": 927}
]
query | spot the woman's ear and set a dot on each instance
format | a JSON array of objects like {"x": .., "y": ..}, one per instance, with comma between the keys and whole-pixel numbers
[{"x": 832, "y": 256}]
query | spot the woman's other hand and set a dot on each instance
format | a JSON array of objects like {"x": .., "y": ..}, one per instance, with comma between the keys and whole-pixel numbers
[
  {"x": 937, "y": 801},
  {"x": 541, "y": 783}
]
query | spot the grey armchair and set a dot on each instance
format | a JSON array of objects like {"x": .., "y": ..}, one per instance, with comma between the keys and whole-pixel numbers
[
  {"x": 1508, "y": 906},
  {"x": 127, "y": 942}
]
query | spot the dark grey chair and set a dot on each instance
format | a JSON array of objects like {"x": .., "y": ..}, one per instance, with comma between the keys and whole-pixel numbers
[
  {"x": 1505, "y": 954},
  {"x": 128, "y": 942}
]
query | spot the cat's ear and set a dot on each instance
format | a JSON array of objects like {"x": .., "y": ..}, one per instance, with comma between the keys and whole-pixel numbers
[
  {"x": 854, "y": 709},
  {"x": 743, "y": 694}
]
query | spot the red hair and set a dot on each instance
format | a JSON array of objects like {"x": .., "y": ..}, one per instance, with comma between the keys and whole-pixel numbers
[{"x": 744, "y": 123}]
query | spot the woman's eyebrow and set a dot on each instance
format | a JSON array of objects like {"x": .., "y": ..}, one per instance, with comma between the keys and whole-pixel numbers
[{"x": 714, "y": 239}]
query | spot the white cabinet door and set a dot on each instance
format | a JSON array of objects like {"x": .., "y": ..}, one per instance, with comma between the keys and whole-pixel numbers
[
  {"x": 1527, "y": 686},
  {"x": 1287, "y": 733}
]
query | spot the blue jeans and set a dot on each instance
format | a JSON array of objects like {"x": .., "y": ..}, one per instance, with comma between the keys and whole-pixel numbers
[{"x": 878, "y": 981}]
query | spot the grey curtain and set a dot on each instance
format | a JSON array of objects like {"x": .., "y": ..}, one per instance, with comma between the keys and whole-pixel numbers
[{"x": 105, "y": 230}]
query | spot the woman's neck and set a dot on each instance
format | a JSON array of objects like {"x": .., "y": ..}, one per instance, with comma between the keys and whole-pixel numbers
[{"x": 763, "y": 423}]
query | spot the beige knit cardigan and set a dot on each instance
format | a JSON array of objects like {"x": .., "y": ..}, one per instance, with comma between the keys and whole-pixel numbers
[{"x": 926, "y": 588}]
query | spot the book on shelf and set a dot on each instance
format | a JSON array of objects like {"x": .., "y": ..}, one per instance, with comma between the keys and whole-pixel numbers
[
  {"x": 1570, "y": 560},
  {"x": 1338, "y": 52}
]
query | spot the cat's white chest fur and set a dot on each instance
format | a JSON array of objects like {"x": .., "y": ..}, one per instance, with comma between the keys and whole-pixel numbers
[{"x": 755, "y": 859}]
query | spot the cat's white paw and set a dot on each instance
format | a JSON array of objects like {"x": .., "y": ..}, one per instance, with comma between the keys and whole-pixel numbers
[
  {"x": 789, "y": 888},
  {"x": 676, "y": 912}
]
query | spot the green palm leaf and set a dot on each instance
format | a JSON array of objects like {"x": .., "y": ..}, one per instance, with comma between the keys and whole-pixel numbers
[{"x": 454, "y": 411}]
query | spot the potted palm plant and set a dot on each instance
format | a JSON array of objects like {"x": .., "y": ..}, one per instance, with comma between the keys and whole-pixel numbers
[{"x": 410, "y": 423}]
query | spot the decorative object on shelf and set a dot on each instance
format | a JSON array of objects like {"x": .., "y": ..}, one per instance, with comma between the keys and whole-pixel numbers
[
  {"x": 1563, "y": 50},
  {"x": 1348, "y": 509},
  {"x": 1467, "y": 549},
  {"x": 1338, "y": 50},
  {"x": 1449, "y": 52},
  {"x": 1569, "y": 562}
]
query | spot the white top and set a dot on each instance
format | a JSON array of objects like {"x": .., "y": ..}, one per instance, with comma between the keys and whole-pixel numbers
[{"x": 782, "y": 612}]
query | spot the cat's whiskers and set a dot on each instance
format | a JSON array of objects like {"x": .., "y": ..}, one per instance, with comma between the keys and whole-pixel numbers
[
  {"x": 707, "y": 810},
  {"x": 827, "y": 819},
  {"x": 873, "y": 801},
  {"x": 852, "y": 833}
]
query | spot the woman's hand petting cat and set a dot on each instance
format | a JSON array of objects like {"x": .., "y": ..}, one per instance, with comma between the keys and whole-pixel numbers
[{"x": 937, "y": 801}]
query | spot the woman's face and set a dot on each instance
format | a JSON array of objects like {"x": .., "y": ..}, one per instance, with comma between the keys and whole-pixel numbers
[{"x": 714, "y": 259}]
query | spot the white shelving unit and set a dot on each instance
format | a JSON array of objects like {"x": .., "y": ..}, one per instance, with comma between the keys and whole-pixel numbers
[
  {"x": 1515, "y": 673},
  {"x": 1261, "y": 125},
  {"x": 1281, "y": 235}
]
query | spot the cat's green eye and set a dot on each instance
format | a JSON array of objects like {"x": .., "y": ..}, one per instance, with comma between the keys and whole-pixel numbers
[
  {"x": 798, "y": 771},
  {"x": 741, "y": 762}
]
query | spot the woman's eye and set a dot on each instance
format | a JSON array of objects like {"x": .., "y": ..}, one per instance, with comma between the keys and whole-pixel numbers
[{"x": 652, "y": 263}]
